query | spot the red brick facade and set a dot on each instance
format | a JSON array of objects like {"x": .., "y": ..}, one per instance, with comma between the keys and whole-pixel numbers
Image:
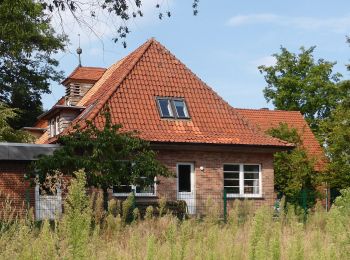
[
  {"x": 14, "y": 186},
  {"x": 210, "y": 181}
]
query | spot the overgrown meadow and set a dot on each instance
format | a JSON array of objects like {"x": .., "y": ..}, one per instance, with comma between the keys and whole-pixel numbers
[{"x": 86, "y": 232}]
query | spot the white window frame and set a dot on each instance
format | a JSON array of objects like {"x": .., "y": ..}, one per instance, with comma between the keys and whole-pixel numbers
[
  {"x": 185, "y": 108},
  {"x": 241, "y": 181},
  {"x": 138, "y": 194},
  {"x": 172, "y": 108},
  {"x": 169, "y": 106},
  {"x": 57, "y": 125},
  {"x": 52, "y": 127}
]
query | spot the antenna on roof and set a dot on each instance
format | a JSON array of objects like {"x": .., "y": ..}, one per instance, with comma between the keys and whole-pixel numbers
[{"x": 79, "y": 51}]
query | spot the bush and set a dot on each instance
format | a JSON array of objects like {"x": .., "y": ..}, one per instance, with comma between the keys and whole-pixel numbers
[{"x": 246, "y": 235}]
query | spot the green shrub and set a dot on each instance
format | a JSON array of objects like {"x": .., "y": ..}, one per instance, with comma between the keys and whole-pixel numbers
[{"x": 76, "y": 222}]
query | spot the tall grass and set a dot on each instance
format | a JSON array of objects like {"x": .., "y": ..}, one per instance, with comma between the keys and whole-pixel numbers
[{"x": 85, "y": 233}]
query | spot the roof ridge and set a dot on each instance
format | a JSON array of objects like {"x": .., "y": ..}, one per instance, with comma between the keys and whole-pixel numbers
[{"x": 108, "y": 94}]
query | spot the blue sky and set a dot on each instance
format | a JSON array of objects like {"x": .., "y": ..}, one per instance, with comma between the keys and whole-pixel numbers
[{"x": 224, "y": 44}]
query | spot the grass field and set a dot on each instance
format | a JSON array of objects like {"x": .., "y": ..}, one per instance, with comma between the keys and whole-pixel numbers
[{"x": 84, "y": 233}]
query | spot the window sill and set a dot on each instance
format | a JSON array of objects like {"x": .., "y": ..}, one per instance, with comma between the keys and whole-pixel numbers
[
  {"x": 244, "y": 196},
  {"x": 136, "y": 195}
]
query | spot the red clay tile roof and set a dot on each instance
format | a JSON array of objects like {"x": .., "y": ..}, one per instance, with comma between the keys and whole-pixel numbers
[
  {"x": 130, "y": 88},
  {"x": 85, "y": 74},
  {"x": 266, "y": 119}
]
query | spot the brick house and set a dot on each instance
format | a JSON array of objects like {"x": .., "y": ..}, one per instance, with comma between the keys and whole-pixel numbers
[{"x": 200, "y": 137}]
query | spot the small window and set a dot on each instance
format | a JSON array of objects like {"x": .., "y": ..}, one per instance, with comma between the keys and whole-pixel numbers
[
  {"x": 52, "y": 127},
  {"x": 172, "y": 108},
  {"x": 165, "y": 108},
  {"x": 242, "y": 180},
  {"x": 57, "y": 125},
  {"x": 181, "y": 110},
  {"x": 140, "y": 190}
]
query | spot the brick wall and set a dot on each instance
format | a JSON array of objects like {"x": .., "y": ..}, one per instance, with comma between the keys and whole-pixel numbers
[
  {"x": 14, "y": 186},
  {"x": 210, "y": 181}
]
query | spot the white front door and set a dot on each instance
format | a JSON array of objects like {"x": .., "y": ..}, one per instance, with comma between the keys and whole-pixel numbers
[{"x": 186, "y": 185}]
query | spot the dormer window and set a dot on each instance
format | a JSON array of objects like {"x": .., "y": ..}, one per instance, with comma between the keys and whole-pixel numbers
[
  {"x": 172, "y": 108},
  {"x": 54, "y": 126}
]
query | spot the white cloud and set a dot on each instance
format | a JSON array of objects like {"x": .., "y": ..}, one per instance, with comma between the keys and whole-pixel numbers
[
  {"x": 252, "y": 19},
  {"x": 335, "y": 24}
]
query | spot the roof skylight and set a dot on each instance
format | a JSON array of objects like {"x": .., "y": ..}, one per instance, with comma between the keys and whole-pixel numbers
[{"x": 172, "y": 108}]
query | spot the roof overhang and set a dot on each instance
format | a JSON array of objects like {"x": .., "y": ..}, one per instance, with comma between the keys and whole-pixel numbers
[
  {"x": 58, "y": 108},
  {"x": 219, "y": 147},
  {"x": 34, "y": 129},
  {"x": 25, "y": 152}
]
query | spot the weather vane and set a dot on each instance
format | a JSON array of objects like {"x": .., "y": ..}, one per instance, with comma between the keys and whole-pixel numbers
[{"x": 79, "y": 51}]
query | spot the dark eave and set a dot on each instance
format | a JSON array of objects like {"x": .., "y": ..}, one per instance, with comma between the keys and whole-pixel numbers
[
  {"x": 57, "y": 108},
  {"x": 219, "y": 147},
  {"x": 34, "y": 129},
  {"x": 25, "y": 152}
]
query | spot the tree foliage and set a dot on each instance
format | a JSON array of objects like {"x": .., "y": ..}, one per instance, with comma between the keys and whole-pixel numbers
[
  {"x": 293, "y": 170},
  {"x": 108, "y": 156},
  {"x": 299, "y": 82},
  {"x": 27, "y": 43},
  {"x": 336, "y": 130},
  {"x": 7, "y": 133}
]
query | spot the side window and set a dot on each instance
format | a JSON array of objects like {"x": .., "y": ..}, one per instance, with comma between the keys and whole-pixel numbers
[
  {"x": 57, "y": 125},
  {"x": 140, "y": 190},
  {"x": 242, "y": 180}
]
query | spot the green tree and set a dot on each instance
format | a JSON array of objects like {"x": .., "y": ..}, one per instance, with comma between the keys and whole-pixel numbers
[
  {"x": 337, "y": 139},
  {"x": 293, "y": 170},
  {"x": 27, "y": 43},
  {"x": 7, "y": 133},
  {"x": 299, "y": 82},
  {"x": 108, "y": 156}
]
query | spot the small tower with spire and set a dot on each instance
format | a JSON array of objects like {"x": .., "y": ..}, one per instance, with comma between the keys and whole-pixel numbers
[{"x": 79, "y": 52}]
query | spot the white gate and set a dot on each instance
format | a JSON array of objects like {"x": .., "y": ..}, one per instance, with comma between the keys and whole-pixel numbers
[{"x": 47, "y": 206}]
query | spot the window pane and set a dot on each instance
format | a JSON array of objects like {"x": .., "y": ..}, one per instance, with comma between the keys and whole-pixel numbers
[
  {"x": 251, "y": 190},
  {"x": 251, "y": 175},
  {"x": 181, "y": 109},
  {"x": 251, "y": 182},
  {"x": 165, "y": 108},
  {"x": 231, "y": 182},
  {"x": 231, "y": 175},
  {"x": 231, "y": 167},
  {"x": 122, "y": 189},
  {"x": 184, "y": 175},
  {"x": 251, "y": 168},
  {"x": 145, "y": 189},
  {"x": 232, "y": 190}
]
